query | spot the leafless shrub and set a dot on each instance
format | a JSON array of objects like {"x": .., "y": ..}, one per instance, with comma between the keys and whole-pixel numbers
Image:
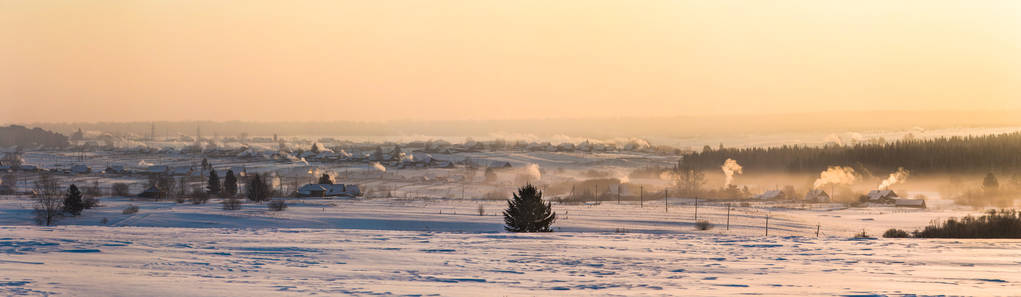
[
  {"x": 703, "y": 225},
  {"x": 131, "y": 209},
  {"x": 277, "y": 205},
  {"x": 49, "y": 203},
  {"x": 231, "y": 204}
]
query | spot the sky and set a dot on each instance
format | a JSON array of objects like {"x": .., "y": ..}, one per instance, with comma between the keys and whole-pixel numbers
[{"x": 255, "y": 60}]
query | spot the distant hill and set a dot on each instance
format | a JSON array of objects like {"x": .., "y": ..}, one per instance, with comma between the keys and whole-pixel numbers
[{"x": 21, "y": 136}]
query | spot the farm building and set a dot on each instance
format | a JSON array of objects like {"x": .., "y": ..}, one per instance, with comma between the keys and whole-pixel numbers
[
  {"x": 817, "y": 196},
  {"x": 115, "y": 169},
  {"x": 881, "y": 196},
  {"x": 329, "y": 190},
  {"x": 771, "y": 195},
  {"x": 152, "y": 192},
  {"x": 12, "y": 160},
  {"x": 915, "y": 203},
  {"x": 80, "y": 169},
  {"x": 157, "y": 169},
  {"x": 181, "y": 171}
]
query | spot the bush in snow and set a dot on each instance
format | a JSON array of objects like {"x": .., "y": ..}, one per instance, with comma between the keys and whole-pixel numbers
[
  {"x": 199, "y": 195},
  {"x": 91, "y": 202},
  {"x": 896, "y": 233},
  {"x": 258, "y": 189},
  {"x": 94, "y": 190},
  {"x": 131, "y": 209},
  {"x": 120, "y": 189},
  {"x": 703, "y": 225},
  {"x": 527, "y": 212},
  {"x": 1002, "y": 223},
  {"x": 231, "y": 204},
  {"x": 277, "y": 205}
]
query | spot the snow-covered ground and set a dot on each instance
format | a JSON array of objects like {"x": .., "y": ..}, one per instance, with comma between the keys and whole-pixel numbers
[{"x": 444, "y": 247}]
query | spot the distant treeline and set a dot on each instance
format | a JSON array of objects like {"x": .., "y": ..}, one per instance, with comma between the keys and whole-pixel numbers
[
  {"x": 971, "y": 154},
  {"x": 19, "y": 135}
]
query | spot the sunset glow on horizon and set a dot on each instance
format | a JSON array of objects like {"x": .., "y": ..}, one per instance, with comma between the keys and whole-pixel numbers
[{"x": 451, "y": 60}]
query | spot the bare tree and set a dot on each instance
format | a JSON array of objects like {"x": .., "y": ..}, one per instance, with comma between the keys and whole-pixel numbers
[
  {"x": 689, "y": 178},
  {"x": 120, "y": 189},
  {"x": 49, "y": 203}
]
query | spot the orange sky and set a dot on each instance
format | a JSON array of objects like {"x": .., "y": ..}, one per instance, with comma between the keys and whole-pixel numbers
[{"x": 479, "y": 59}]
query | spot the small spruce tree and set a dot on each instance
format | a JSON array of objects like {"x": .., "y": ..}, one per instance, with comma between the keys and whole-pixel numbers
[
  {"x": 230, "y": 184},
  {"x": 325, "y": 179},
  {"x": 73, "y": 204},
  {"x": 213, "y": 186},
  {"x": 258, "y": 189},
  {"x": 527, "y": 212}
]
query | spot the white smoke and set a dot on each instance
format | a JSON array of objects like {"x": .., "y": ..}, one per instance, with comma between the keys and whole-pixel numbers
[
  {"x": 897, "y": 177},
  {"x": 730, "y": 167},
  {"x": 836, "y": 175},
  {"x": 834, "y": 139},
  {"x": 623, "y": 177},
  {"x": 533, "y": 171},
  {"x": 378, "y": 166}
]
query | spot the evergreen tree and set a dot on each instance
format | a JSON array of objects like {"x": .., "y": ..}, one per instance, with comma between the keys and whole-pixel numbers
[
  {"x": 526, "y": 212},
  {"x": 315, "y": 148},
  {"x": 230, "y": 184},
  {"x": 73, "y": 204},
  {"x": 258, "y": 189},
  {"x": 205, "y": 165},
  {"x": 213, "y": 187},
  {"x": 990, "y": 184},
  {"x": 397, "y": 153},
  {"x": 325, "y": 179}
]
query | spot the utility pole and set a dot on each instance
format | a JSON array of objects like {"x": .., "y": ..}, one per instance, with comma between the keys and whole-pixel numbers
[
  {"x": 767, "y": 224},
  {"x": 817, "y": 227},
  {"x": 696, "y": 209},
  {"x": 641, "y": 197},
  {"x": 666, "y": 200},
  {"x": 618, "y": 194},
  {"x": 728, "y": 216}
]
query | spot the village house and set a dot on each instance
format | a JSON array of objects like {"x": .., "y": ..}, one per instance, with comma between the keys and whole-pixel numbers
[
  {"x": 115, "y": 169},
  {"x": 881, "y": 196},
  {"x": 771, "y": 195},
  {"x": 913, "y": 203},
  {"x": 157, "y": 169},
  {"x": 80, "y": 169},
  {"x": 817, "y": 195},
  {"x": 329, "y": 190}
]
